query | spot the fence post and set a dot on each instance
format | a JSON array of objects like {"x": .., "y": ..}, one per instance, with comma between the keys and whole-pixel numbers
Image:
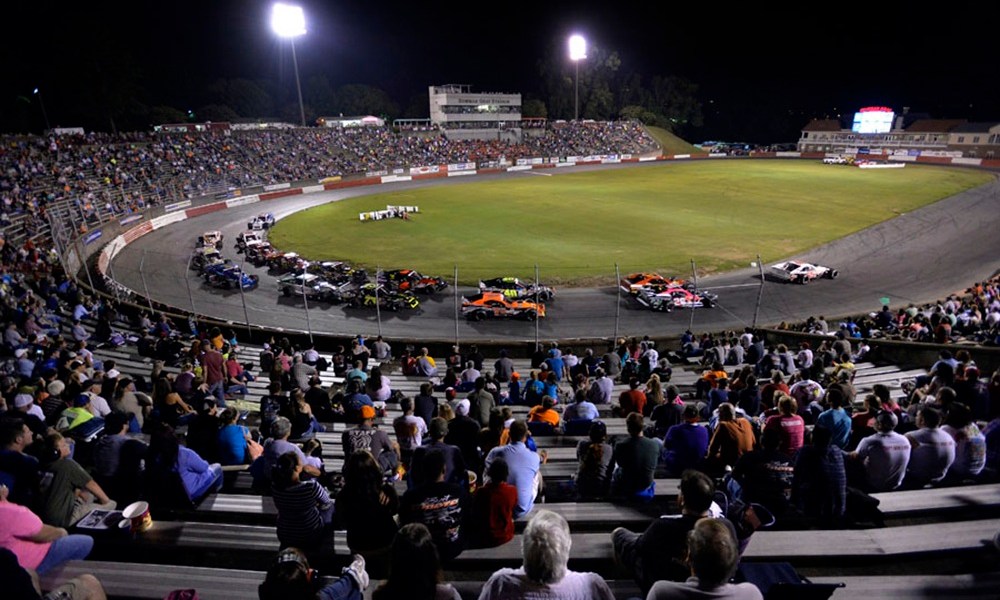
[
  {"x": 618, "y": 300},
  {"x": 536, "y": 300},
  {"x": 760, "y": 292},
  {"x": 305, "y": 303},
  {"x": 83, "y": 263},
  {"x": 456, "y": 306},
  {"x": 243, "y": 297},
  {"x": 187, "y": 282},
  {"x": 142, "y": 275},
  {"x": 378, "y": 310},
  {"x": 694, "y": 277}
]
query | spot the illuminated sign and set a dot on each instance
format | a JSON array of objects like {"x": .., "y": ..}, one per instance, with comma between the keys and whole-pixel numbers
[{"x": 873, "y": 119}]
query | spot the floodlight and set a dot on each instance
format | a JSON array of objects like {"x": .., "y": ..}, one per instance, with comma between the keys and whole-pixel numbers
[
  {"x": 577, "y": 47},
  {"x": 288, "y": 20},
  {"x": 577, "y": 52}
]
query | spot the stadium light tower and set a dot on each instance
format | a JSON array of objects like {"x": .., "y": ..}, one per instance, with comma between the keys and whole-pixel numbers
[
  {"x": 41, "y": 102},
  {"x": 577, "y": 52},
  {"x": 288, "y": 21}
]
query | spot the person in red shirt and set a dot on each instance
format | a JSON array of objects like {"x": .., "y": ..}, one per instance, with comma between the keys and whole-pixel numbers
[
  {"x": 790, "y": 426},
  {"x": 493, "y": 508},
  {"x": 214, "y": 373},
  {"x": 631, "y": 400},
  {"x": 769, "y": 392}
]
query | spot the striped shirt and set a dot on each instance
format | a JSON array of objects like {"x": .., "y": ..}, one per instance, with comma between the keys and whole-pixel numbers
[{"x": 300, "y": 513}]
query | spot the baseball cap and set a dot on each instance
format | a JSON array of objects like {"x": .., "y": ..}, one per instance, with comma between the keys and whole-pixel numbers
[
  {"x": 82, "y": 400},
  {"x": 22, "y": 400},
  {"x": 462, "y": 408},
  {"x": 367, "y": 412}
]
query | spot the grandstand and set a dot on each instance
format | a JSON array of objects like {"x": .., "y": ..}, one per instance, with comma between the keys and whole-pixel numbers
[{"x": 931, "y": 544}]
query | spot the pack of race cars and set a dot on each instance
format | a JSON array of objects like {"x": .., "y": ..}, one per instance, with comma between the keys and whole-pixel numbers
[{"x": 663, "y": 294}]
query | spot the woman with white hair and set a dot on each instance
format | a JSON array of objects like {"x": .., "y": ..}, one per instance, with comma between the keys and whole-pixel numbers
[{"x": 543, "y": 575}]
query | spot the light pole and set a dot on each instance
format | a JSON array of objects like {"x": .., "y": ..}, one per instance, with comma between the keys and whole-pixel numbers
[
  {"x": 45, "y": 115},
  {"x": 289, "y": 21},
  {"x": 577, "y": 52}
]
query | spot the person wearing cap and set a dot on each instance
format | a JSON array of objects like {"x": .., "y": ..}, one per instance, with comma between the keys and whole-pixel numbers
[
  {"x": 513, "y": 390},
  {"x": 76, "y": 415},
  {"x": 364, "y": 436},
  {"x": 883, "y": 457},
  {"x": 25, "y": 403},
  {"x": 455, "y": 467},
  {"x": 25, "y": 365},
  {"x": 98, "y": 404},
  {"x": 355, "y": 399}
]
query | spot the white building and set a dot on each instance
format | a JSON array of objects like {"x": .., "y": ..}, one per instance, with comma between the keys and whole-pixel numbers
[{"x": 462, "y": 114}]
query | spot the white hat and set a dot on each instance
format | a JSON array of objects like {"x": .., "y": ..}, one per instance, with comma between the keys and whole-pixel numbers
[
  {"x": 20, "y": 352},
  {"x": 22, "y": 400},
  {"x": 462, "y": 407}
]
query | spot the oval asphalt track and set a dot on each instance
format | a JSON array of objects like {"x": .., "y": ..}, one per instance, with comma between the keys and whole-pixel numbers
[{"x": 916, "y": 257}]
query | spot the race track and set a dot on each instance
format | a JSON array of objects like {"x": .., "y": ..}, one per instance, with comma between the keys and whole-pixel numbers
[{"x": 917, "y": 257}]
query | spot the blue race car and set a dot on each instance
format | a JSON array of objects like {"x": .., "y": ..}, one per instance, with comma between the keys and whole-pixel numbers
[{"x": 229, "y": 276}]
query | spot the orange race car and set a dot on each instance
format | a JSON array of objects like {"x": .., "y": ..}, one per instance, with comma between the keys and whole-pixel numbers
[
  {"x": 493, "y": 305},
  {"x": 636, "y": 282}
]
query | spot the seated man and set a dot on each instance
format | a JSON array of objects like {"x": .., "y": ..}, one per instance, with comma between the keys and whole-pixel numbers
[
  {"x": 118, "y": 458},
  {"x": 364, "y": 436},
  {"x": 636, "y": 459},
  {"x": 523, "y": 466},
  {"x": 277, "y": 445},
  {"x": 73, "y": 492},
  {"x": 659, "y": 552},
  {"x": 712, "y": 555},
  {"x": 38, "y": 546},
  {"x": 439, "y": 505},
  {"x": 882, "y": 457}
]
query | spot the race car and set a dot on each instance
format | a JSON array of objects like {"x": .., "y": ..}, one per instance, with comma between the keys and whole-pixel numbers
[
  {"x": 262, "y": 221},
  {"x": 800, "y": 272},
  {"x": 283, "y": 262},
  {"x": 408, "y": 280},
  {"x": 493, "y": 305},
  {"x": 513, "y": 288},
  {"x": 260, "y": 254},
  {"x": 670, "y": 297},
  {"x": 210, "y": 239},
  {"x": 372, "y": 294},
  {"x": 312, "y": 286},
  {"x": 248, "y": 239},
  {"x": 228, "y": 276},
  {"x": 203, "y": 257},
  {"x": 634, "y": 282},
  {"x": 834, "y": 160}
]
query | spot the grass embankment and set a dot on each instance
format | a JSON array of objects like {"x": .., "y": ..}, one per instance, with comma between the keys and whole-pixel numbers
[
  {"x": 576, "y": 226},
  {"x": 670, "y": 143}
]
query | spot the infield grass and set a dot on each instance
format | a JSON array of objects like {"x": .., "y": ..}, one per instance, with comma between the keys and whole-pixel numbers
[{"x": 576, "y": 226}]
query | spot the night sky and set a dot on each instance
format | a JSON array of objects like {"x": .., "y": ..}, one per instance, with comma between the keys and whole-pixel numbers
[{"x": 755, "y": 65}]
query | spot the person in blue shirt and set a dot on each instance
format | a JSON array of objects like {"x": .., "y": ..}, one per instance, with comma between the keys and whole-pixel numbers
[
  {"x": 232, "y": 439},
  {"x": 835, "y": 419}
]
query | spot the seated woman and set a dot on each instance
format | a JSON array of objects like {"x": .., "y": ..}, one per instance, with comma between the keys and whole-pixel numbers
[
  {"x": 304, "y": 423},
  {"x": 378, "y": 385},
  {"x": 232, "y": 439},
  {"x": 305, "y": 510},
  {"x": 291, "y": 578},
  {"x": 167, "y": 456},
  {"x": 593, "y": 476},
  {"x": 414, "y": 568},
  {"x": 366, "y": 507}
]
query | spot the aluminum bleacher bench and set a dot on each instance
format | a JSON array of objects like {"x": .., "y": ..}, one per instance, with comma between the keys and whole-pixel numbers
[{"x": 148, "y": 581}]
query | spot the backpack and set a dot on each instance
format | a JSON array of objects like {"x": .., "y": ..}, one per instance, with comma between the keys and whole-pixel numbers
[{"x": 266, "y": 361}]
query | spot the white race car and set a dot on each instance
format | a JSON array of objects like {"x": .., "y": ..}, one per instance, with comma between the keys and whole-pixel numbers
[
  {"x": 262, "y": 221},
  {"x": 800, "y": 272}
]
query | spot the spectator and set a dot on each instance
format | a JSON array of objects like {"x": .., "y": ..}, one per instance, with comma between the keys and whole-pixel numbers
[
  {"x": 366, "y": 506},
  {"x": 932, "y": 450},
  {"x": 355, "y": 400},
  {"x": 118, "y": 459},
  {"x": 410, "y": 430},
  {"x": 713, "y": 554},
  {"x": 632, "y": 400},
  {"x": 819, "y": 480},
  {"x": 733, "y": 437},
  {"x": 503, "y": 368},
  {"x": 523, "y": 466},
  {"x": 38, "y": 546},
  {"x": 482, "y": 402},
  {"x": 378, "y": 386},
  {"x": 491, "y": 521},
  {"x": 836, "y": 419},
  {"x": 414, "y": 568},
  {"x": 455, "y": 467},
  {"x": 305, "y": 510},
  {"x": 970, "y": 443},
  {"x": 364, "y": 436},
  {"x": 883, "y": 457},
  {"x": 593, "y": 475},
  {"x": 658, "y": 554},
  {"x": 291, "y": 578},
  {"x": 791, "y": 427},
  {"x": 72, "y": 492},
  {"x": 764, "y": 476},
  {"x": 166, "y": 455},
  {"x": 463, "y": 433},
  {"x": 20, "y": 583},
  {"x": 233, "y": 439},
  {"x": 439, "y": 505},
  {"x": 635, "y": 462},
  {"x": 544, "y": 573},
  {"x": 426, "y": 367},
  {"x": 544, "y": 412},
  {"x": 425, "y": 405},
  {"x": 381, "y": 350},
  {"x": 601, "y": 388},
  {"x": 580, "y": 409},
  {"x": 686, "y": 444}
]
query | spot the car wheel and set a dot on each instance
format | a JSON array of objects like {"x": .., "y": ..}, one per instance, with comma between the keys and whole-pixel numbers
[
  {"x": 286, "y": 292},
  {"x": 707, "y": 303},
  {"x": 530, "y": 315},
  {"x": 477, "y": 316},
  {"x": 832, "y": 274}
]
